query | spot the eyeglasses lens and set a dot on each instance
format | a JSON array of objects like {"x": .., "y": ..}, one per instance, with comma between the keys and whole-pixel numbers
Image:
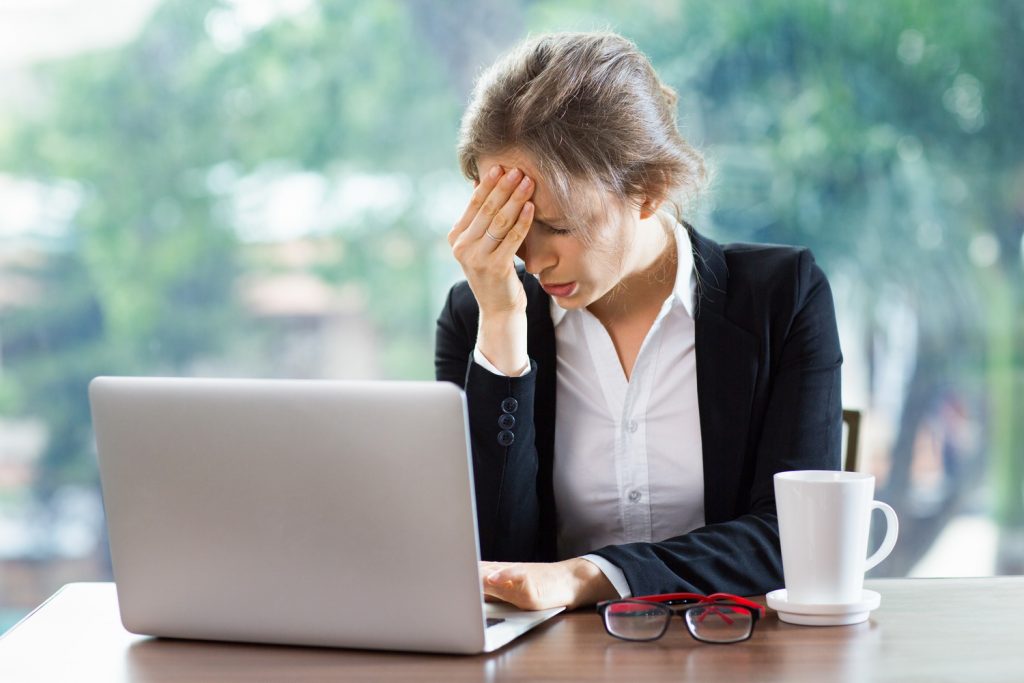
[
  {"x": 720, "y": 623},
  {"x": 636, "y": 621}
]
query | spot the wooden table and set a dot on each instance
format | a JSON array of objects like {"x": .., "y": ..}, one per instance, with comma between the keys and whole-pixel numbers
[{"x": 926, "y": 630}]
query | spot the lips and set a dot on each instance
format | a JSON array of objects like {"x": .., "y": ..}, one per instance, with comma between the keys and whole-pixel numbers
[{"x": 561, "y": 290}]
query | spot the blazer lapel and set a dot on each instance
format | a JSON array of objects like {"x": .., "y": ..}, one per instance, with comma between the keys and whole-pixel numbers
[
  {"x": 540, "y": 344},
  {"x": 727, "y": 369}
]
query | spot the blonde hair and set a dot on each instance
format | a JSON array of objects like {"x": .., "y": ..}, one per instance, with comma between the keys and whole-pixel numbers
[{"x": 590, "y": 111}]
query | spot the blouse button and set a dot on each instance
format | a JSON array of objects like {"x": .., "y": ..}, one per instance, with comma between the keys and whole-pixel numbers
[
  {"x": 634, "y": 496},
  {"x": 505, "y": 438},
  {"x": 509, "y": 405},
  {"x": 506, "y": 421}
]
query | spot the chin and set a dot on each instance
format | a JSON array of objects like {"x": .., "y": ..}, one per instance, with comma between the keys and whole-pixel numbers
[{"x": 575, "y": 302}]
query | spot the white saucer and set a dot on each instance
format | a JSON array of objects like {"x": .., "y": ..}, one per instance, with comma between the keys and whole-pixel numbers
[{"x": 822, "y": 614}]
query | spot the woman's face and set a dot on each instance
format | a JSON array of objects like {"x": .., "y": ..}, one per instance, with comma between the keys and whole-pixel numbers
[{"x": 588, "y": 271}]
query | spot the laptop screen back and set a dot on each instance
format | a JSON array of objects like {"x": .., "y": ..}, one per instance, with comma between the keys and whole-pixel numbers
[{"x": 334, "y": 513}]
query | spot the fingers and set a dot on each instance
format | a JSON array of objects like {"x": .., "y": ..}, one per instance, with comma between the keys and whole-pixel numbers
[
  {"x": 509, "y": 213},
  {"x": 513, "y": 240},
  {"x": 520, "y": 585},
  {"x": 509, "y": 197},
  {"x": 531, "y": 585},
  {"x": 486, "y": 568},
  {"x": 492, "y": 229},
  {"x": 476, "y": 201},
  {"x": 509, "y": 585},
  {"x": 493, "y": 202},
  {"x": 492, "y": 588},
  {"x": 497, "y": 210}
]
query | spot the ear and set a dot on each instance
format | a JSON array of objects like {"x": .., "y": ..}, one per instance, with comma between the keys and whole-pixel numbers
[
  {"x": 657, "y": 193},
  {"x": 649, "y": 207}
]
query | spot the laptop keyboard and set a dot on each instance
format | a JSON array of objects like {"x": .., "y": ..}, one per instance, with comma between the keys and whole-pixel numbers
[{"x": 493, "y": 621}]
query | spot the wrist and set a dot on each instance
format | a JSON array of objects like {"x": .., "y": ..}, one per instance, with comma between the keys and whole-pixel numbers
[
  {"x": 590, "y": 585},
  {"x": 503, "y": 318},
  {"x": 501, "y": 338}
]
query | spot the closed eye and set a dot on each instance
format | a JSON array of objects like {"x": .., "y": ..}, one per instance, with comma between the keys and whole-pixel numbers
[{"x": 555, "y": 231}]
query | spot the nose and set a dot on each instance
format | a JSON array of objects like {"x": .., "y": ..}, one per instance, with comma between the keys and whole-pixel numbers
[{"x": 536, "y": 252}]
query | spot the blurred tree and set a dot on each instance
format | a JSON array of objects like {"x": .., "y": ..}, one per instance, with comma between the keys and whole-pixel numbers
[
  {"x": 881, "y": 134},
  {"x": 144, "y": 282}
]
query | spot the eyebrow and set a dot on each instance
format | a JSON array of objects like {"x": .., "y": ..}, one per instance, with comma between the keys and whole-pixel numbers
[{"x": 548, "y": 221}]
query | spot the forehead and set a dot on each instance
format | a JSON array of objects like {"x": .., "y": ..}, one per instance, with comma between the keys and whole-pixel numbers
[{"x": 547, "y": 209}]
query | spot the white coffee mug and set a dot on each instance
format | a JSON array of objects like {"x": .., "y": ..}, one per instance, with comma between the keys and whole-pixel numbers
[{"x": 824, "y": 519}]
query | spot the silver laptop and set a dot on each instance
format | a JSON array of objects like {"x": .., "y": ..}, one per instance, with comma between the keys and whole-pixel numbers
[{"x": 304, "y": 512}]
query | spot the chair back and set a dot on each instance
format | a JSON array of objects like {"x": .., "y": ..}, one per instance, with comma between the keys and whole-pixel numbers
[{"x": 851, "y": 421}]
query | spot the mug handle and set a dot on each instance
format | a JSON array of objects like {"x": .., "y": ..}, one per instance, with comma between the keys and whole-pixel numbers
[{"x": 892, "y": 530}]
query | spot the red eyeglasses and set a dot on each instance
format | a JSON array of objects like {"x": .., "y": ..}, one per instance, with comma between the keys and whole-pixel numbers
[{"x": 717, "y": 618}]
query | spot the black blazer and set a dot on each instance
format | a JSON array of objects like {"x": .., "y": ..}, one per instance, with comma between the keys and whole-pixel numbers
[{"x": 768, "y": 385}]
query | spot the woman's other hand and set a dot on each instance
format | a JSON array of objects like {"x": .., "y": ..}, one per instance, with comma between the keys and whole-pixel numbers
[{"x": 542, "y": 585}]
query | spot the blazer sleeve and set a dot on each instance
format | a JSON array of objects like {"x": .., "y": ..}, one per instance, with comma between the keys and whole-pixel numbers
[
  {"x": 802, "y": 426},
  {"x": 502, "y": 435}
]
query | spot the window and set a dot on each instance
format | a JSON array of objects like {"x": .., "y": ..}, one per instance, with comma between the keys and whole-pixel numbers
[{"x": 263, "y": 188}]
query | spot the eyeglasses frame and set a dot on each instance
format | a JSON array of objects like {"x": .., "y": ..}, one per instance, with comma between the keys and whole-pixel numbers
[{"x": 681, "y": 603}]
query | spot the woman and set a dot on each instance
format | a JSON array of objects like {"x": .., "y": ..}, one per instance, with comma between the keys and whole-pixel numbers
[{"x": 633, "y": 386}]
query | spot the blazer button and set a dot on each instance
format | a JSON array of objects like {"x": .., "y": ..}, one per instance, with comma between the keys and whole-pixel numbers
[
  {"x": 506, "y": 421},
  {"x": 505, "y": 438},
  {"x": 509, "y": 405}
]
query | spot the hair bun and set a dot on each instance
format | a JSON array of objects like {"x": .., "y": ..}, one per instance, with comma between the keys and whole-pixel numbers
[{"x": 671, "y": 97}]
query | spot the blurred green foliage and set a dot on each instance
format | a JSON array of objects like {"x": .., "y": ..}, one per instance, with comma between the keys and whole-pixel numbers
[{"x": 883, "y": 134}]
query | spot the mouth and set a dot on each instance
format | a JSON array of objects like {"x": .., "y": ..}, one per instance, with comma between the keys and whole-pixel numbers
[{"x": 562, "y": 290}]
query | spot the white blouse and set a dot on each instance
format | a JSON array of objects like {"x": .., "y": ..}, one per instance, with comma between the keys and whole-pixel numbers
[{"x": 628, "y": 464}]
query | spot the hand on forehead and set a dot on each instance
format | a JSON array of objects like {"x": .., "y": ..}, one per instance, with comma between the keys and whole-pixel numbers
[{"x": 547, "y": 210}]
